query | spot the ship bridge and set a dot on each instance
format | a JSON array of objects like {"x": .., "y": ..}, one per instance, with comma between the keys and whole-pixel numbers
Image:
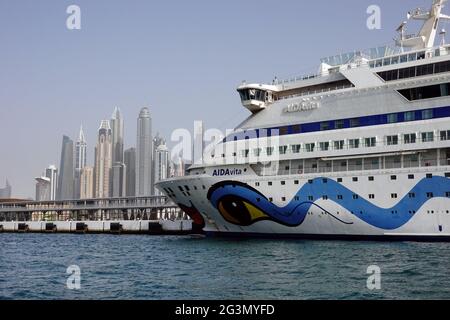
[{"x": 256, "y": 97}]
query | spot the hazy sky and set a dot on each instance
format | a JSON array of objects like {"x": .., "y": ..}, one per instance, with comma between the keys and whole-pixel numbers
[{"x": 183, "y": 59}]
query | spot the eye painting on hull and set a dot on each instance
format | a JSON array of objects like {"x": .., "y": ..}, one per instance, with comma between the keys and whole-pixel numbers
[{"x": 242, "y": 205}]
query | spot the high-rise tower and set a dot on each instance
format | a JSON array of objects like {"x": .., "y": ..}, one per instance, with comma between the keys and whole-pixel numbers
[
  {"x": 87, "y": 183},
  {"x": 43, "y": 186},
  {"x": 5, "y": 193},
  {"x": 130, "y": 164},
  {"x": 103, "y": 160},
  {"x": 157, "y": 141},
  {"x": 118, "y": 174},
  {"x": 144, "y": 150},
  {"x": 66, "y": 174},
  {"x": 52, "y": 173},
  {"x": 161, "y": 164},
  {"x": 117, "y": 136},
  {"x": 80, "y": 161}
]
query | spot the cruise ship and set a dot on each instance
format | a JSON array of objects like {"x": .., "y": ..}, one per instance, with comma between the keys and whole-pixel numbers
[{"x": 360, "y": 150}]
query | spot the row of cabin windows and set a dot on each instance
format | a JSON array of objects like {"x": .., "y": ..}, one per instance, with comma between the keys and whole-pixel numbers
[
  {"x": 373, "y": 120},
  {"x": 417, "y": 71},
  {"x": 390, "y": 118},
  {"x": 411, "y": 195},
  {"x": 410, "y": 116},
  {"x": 185, "y": 191},
  {"x": 426, "y": 92},
  {"x": 369, "y": 142},
  {"x": 354, "y": 179},
  {"x": 410, "y": 138}
]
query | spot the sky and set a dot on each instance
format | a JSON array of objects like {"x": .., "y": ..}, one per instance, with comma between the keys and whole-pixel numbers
[{"x": 182, "y": 59}]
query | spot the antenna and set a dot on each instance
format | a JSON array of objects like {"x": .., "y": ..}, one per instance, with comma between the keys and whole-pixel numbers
[{"x": 401, "y": 30}]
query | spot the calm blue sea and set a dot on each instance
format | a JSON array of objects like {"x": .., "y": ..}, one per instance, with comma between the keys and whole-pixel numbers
[{"x": 33, "y": 266}]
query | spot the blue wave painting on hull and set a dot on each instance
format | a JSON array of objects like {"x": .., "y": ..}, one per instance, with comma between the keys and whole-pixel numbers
[{"x": 243, "y": 205}]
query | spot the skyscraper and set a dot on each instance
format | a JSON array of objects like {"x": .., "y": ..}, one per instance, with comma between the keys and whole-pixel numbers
[
  {"x": 118, "y": 174},
  {"x": 103, "y": 160},
  {"x": 43, "y": 188},
  {"x": 5, "y": 193},
  {"x": 66, "y": 174},
  {"x": 52, "y": 173},
  {"x": 144, "y": 185},
  {"x": 161, "y": 165},
  {"x": 179, "y": 167},
  {"x": 117, "y": 136},
  {"x": 157, "y": 141},
  {"x": 130, "y": 164},
  {"x": 80, "y": 161},
  {"x": 87, "y": 183}
]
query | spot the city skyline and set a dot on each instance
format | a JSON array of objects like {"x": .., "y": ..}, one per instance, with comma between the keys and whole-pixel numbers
[{"x": 113, "y": 172}]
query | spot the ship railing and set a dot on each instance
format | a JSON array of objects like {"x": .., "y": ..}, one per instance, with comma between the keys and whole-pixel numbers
[
  {"x": 372, "y": 57},
  {"x": 425, "y": 165},
  {"x": 314, "y": 92}
]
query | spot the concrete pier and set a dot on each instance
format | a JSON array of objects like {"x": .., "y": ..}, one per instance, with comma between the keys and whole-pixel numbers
[
  {"x": 137, "y": 215},
  {"x": 158, "y": 227}
]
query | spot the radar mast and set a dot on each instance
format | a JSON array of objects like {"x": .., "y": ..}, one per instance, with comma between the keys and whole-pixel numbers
[{"x": 427, "y": 34}]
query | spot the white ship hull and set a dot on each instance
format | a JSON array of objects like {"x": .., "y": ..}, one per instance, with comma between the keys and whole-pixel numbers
[{"x": 381, "y": 218}]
